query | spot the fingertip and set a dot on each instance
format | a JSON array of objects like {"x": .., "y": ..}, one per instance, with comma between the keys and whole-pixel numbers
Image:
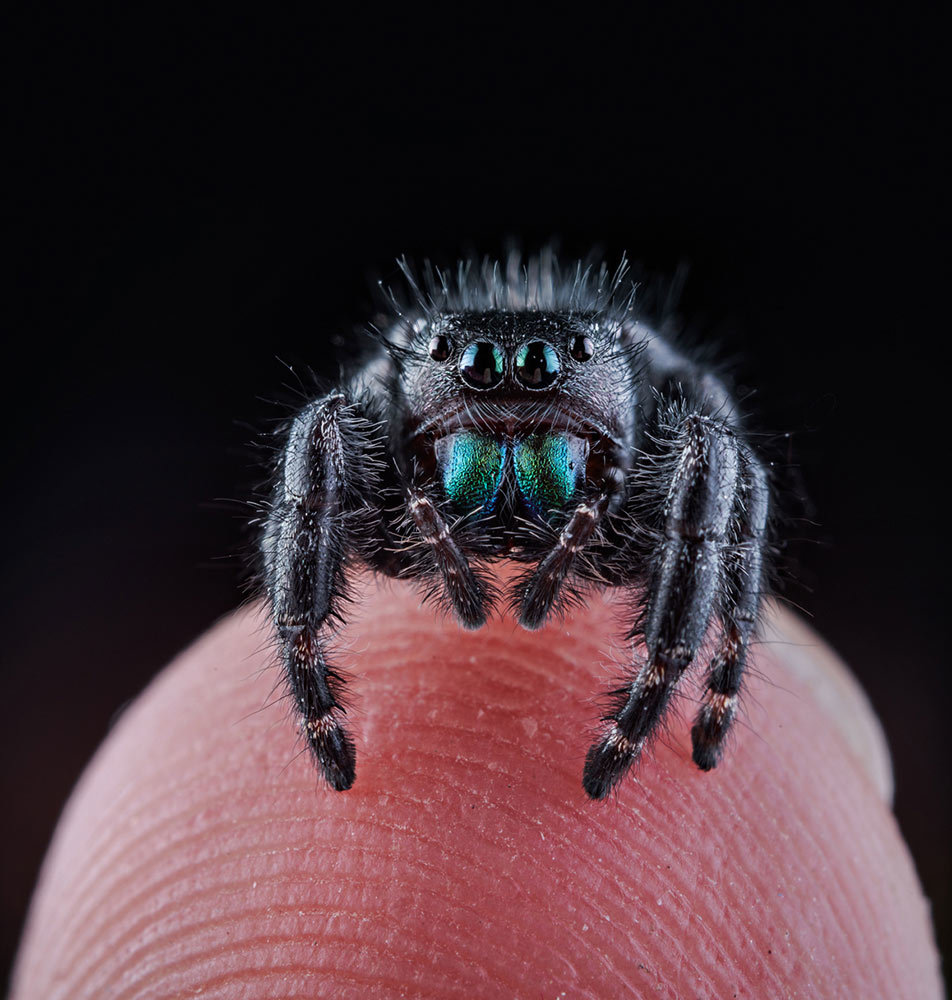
[
  {"x": 466, "y": 860},
  {"x": 842, "y": 706}
]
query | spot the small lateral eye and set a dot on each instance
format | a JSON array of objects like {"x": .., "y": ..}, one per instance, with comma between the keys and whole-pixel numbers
[
  {"x": 481, "y": 365},
  {"x": 537, "y": 364},
  {"x": 582, "y": 348},
  {"x": 440, "y": 347}
]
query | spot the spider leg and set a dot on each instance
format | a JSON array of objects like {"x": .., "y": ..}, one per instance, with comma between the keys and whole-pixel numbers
[
  {"x": 539, "y": 591},
  {"x": 687, "y": 574},
  {"x": 307, "y": 535},
  {"x": 739, "y": 617},
  {"x": 466, "y": 592}
]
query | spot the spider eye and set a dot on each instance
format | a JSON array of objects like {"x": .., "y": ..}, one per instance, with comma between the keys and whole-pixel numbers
[
  {"x": 440, "y": 348},
  {"x": 537, "y": 364},
  {"x": 582, "y": 348},
  {"x": 481, "y": 365}
]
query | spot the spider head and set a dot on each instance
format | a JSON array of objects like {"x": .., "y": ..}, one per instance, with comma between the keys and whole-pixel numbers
[
  {"x": 532, "y": 398},
  {"x": 517, "y": 363},
  {"x": 509, "y": 351}
]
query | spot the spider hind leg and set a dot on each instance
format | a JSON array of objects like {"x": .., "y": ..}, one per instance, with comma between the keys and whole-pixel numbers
[
  {"x": 740, "y": 617},
  {"x": 684, "y": 588}
]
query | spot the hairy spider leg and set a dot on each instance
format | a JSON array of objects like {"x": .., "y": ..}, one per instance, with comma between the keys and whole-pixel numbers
[
  {"x": 683, "y": 585},
  {"x": 739, "y": 615},
  {"x": 464, "y": 589},
  {"x": 305, "y": 540},
  {"x": 539, "y": 590}
]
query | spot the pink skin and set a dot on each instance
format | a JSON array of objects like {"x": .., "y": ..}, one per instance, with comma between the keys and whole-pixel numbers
[{"x": 200, "y": 856}]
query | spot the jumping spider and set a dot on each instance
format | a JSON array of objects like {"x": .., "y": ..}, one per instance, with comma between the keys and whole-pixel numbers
[{"x": 515, "y": 411}]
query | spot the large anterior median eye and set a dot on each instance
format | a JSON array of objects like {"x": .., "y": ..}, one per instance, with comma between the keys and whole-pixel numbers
[
  {"x": 481, "y": 365},
  {"x": 537, "y": 364}
]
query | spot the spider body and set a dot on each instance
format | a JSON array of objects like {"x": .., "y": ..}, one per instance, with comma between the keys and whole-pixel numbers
[{"x": 535, "y": 418}]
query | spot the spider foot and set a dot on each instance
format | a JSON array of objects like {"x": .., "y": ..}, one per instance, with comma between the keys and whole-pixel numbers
[
  {"x": 607, "y": 761},
  {"x": 333, "y": 751},
  {"x": 713, "y": 721}
]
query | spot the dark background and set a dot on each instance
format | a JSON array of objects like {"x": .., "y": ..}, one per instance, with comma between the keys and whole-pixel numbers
[{"x": 190, "y": 200}]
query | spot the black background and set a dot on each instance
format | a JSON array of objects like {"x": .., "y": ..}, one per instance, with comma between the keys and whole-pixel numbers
[{"x": 190, "y": 200}]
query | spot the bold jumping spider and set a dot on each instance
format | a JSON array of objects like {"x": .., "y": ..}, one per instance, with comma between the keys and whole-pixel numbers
[{"x": 517, "y": 412}]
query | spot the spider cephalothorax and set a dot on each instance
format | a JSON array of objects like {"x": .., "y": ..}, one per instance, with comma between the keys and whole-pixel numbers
[{"x": 530, "y": 416}]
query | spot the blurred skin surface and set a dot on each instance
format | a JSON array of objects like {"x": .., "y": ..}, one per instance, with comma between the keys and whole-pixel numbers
[{"x": 200, "y": 856}]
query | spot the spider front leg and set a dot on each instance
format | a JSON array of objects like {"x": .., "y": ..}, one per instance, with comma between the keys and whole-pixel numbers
[
  {"x": 466, "y": 592},
  {"x": 331, "y": 448},
  {"x": 541, "y": 589},
  {"x": 685, "y": 583}
]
